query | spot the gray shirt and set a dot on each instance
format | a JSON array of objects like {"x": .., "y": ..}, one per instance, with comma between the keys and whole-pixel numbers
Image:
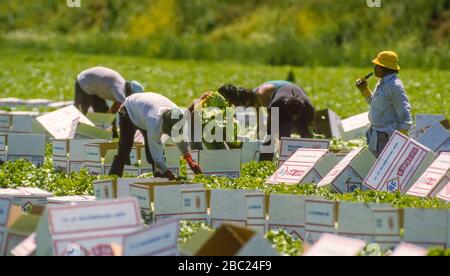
[
  {"x": 389, "y": 106},
  {"x": 104, "y": 83},
  {"x": 146, "y": 111}
]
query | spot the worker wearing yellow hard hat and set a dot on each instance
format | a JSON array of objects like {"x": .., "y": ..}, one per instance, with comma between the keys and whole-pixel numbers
[{"x": 390, "y": 109}]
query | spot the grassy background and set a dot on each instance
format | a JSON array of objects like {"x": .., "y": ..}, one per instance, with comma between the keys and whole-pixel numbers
[
  {"x": 277, "y": 32},
  {"x": 28, "y": 73}
]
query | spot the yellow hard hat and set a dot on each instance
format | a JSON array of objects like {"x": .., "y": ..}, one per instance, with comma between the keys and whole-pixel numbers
[{"x": 388, "y": 59}]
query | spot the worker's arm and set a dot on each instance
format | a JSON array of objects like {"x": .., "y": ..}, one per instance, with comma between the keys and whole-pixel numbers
[
  {"x": 402, "y": 106},
  {"x": 199, "y": 100},
  {"x": 115, "y": 107},
  {"x": 363, "y": 87}
]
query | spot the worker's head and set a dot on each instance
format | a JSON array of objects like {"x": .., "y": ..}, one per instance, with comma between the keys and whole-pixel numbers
[
  {"x": 237, "y": 96},
  {"x": 386, "y": 63},
  {"x": 133, "y": 87},
  {"x": 170, "y": 118}
]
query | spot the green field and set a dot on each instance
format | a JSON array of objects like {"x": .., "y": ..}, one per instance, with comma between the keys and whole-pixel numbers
[{"x": 30, "y": 74}]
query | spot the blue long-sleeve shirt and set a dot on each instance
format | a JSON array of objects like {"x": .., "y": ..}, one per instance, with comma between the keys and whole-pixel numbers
[{"x": 389, "y": 106}]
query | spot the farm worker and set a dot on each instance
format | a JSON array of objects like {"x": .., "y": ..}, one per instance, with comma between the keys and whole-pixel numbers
[
  {"x": 96, "y": 85},
  {"x": 296, "y": 112},
  {"x": 154, "y": 116},
  {"x": 389, "y": 105}
]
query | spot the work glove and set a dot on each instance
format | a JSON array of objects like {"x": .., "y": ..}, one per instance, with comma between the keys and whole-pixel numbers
[
  {"x": 169, "y": 175},
  {"x": 194, "y": 166},
  {"x": 363, "y": 86}
]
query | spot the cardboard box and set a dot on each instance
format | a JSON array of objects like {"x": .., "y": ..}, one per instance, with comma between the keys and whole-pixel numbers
[
  {"x": 387, "y": 226},
  {"x": 425, "y": 121},
  {"x": 304, "y": 166},
  {"x": 85, "y": 131},
  {"x": 6, "y": 211},
  {"x": 426, "y": 227},
  {"x": 157, "y": 240},
  {"x": 26, "y": 248},
  {"x": 320, "y": 218},
  {"x": 25, "y": 122},
  {"x": 63, "y": 123},
  {"x": 256, "y": 212},
  {"x": 436, "y": 138},
  {"x": 133, "y": 169},
  {"x": 194, "y": 205},
  {"x": 168, "y": 201},
  {"x": 102, "y": 120},
  {"x": 29, "y": 147},
  {"x": 94, "y": 155},
  {"x": 328, "y": 123},
  {"x": 228, "y": 206},
  {"x": 90, "y": 226},
  {"x": 225, "y": 163},
  {"x": 350, "y": 172},
  {"x": 250, "y": 151},
  {"x": 26, "y": 198},
  {"x": 231, "y": 240},
  {"x": 287, "y": 212},
  {"x": 444, "y": 194},
  {"x": 69, "y": 200},
  {"x": 5, "y": 121},
  {"x": 118, "y": 188},
  {"x": 434, "y": 179},
  {"x": 3, "y": 143},
  {"x": 332, "y": 245},
  {"x": 355, "y": 127},
  {"x": 61, "y": 155},
  {"x": 289, "y": 146},
  {"x": 196, "y": 242},
  {"x": 77, "y": 153},
  {"x": 20, "y": 226},
  {"x": 409, "y": 250},
  {"x": 356, "y": 220},
  {"x": 399, "y": 166}
]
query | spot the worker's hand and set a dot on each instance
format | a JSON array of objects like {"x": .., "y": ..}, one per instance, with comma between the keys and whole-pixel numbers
[
  {"x": 194, "y": 166},
  {"x": 169, "y": 175},
  {"x": 404, "y": 132},
  {"x": 363, "y": 86}
]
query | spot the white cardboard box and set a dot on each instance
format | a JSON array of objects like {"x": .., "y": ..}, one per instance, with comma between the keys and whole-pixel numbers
[
  {"x": 290, "y": 145},
  {"x": 26, "y": 198},
  {"x": 409, "y": 250},
  {"x": 5, "y": 206},
  {"x": 69, "y": 200},
  {"x": 355, "y": 126},
  {"x": 228, "y": 206},
  {"x": 436, "y": 138},
  {"x": 287, "y": 212},
  {"x": 30, "y": 147},
  {"x": 332, "y": 245},
  {"x": 63, "y": 123},
  {"x": 77, "y": 153},
  {"x": 3, "y": 140},
  {"x": 91, "y": 225},
  {"x": 356, "y": 220},
  {"x": 304, "y": 166},
  {"x": 256, "y": 212},
  {"x": 61, "y": 155},
  {"x": 194, "y": 205},
  {"x": 158, "y": 240},
  {"x": 320, "y": 218},
  {"x": 5, "y": 121},
  {"x": 349, "y": 174},
  {"x": 167, "y": 201},
  {"x": 434, "y": 179},
  {"x": 250, "y": 151},
  {"x": 399, "y": 166},
  {"x": 25, "y": 122},
  {"x": 425, "y": 121},
  {"x": 225, "y": 163},
  {"x": 426, "y": 227},
  {"x": 387, "y": 227},
  {"x": 444, "y": 194}
]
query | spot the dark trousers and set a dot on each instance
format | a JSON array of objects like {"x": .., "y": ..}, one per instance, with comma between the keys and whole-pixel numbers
[
  {"x": 126, "y": 142},
  {"x": 83, "y": 101}
]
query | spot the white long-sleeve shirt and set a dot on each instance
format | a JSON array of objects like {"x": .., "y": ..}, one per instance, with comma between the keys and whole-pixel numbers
[
  {"x": 104, "y": 83},
  {"x": 146, "y": 111}
]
